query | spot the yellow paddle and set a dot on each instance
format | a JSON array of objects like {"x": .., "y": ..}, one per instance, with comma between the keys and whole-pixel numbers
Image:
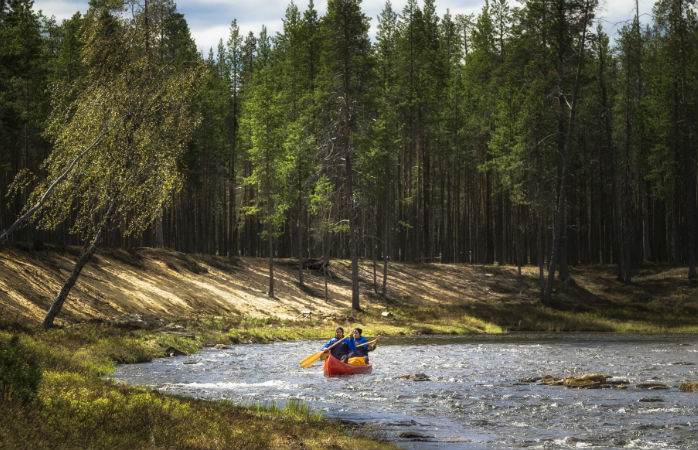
[{"x": 307, "y": 362}]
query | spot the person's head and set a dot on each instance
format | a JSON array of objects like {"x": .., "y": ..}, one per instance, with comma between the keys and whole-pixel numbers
[
  {"x": 356, "y": 332},
  {"x": 339, "y": 332}
]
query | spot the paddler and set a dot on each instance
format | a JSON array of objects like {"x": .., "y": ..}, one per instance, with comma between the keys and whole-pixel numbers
[
  {"x": 340, "y": 350},
  {"x": 356, "y": 350}
]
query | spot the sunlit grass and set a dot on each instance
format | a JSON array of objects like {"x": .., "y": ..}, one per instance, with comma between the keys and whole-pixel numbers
[
  {"x": 76, "y": 408},
  {"x": 618, "y": 320}
]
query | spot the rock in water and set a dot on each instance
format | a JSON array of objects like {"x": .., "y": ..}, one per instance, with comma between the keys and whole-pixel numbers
[
  {"x": 587, "y": 381},
  {"x": 415, "y": 436},
  {"x": 529, "y": 379},
  {"x": 551, "y": 380},
  {"x": 416, "y": 377},
  {"x": 689, "y": 386},
  {"x": 652, "y": 385},
  {"x": 171, "y": 351}
]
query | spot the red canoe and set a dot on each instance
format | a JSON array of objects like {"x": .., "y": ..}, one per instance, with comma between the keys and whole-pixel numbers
[{"x": 335, "y": 367}]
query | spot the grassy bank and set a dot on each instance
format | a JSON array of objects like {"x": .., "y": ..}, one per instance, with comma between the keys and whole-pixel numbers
[
  {"x": 199, "y": 300},
  {"x": 73, "y": 407}
]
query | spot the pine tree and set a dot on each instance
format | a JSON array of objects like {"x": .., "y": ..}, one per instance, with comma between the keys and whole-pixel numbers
[
  {"x": 263, "y": 117},
  {"x": 23, "y": 100},
  {"x": 346, "y": 69},
  {"x": 377, "y": 164}
]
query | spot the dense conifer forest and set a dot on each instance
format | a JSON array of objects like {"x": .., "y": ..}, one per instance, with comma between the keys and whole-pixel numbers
[{"x": 520, "y": 135}]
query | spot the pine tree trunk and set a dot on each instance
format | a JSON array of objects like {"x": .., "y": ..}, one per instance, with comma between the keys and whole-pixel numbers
[
  {"x": 564, "y": 271},
  {"x": 353, "y": 240},
  {"x": 325, "y": 260},
  {"x": 688, "y": 160},
  {"x": 566, "y": 156},
  {"x": 489, "y": 219},
  {"x": 387, "y": 214},
  {"x": 159, "y": 232},
  {"x": 541, "y": 259},
  {"x": 626, "y": 224},
  {"x": 301, "y": 247},
  {"x": 270, "y": 249}
]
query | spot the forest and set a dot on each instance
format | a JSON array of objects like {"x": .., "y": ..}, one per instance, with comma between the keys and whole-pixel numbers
[{"x": 521, "y": 135}]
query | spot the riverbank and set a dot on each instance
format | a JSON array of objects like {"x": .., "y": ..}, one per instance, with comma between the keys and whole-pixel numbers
[
  {"x": 73, "y": 406},
  {"x": 133, "y": 306},
  {"x": 149, "y": 288}
]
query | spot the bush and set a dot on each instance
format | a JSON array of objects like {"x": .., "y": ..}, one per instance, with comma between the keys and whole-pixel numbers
[{"x": 20, "y": 373}]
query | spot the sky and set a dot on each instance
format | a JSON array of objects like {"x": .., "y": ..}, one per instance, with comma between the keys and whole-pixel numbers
[{"x": 209, "y": 20}]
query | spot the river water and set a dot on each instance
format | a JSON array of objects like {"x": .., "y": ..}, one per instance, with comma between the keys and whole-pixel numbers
[{"x": 473, "y": 399}]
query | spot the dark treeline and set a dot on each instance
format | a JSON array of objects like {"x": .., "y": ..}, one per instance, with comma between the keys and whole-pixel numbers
[{"x": 514, "y": 136}]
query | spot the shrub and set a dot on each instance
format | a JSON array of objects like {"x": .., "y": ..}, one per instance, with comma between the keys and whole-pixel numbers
[{"x": 20, "y": 373}]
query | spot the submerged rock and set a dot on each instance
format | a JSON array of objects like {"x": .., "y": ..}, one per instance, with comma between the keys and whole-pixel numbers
[
  {"x": 415, "y": 436},
  {"x": 689, "y": 386},
  {"x": 416, "y": 377},
  {"x": 551, "y": 381},
  {"x": 171, "y": 351},
  {"x": 651, "y": 400},
  {"x": 586, "y": 381},
  {"x": 529, "y": 379},
  {"x": 652, "y": 385},
  {"x": 617, "y": 381},
  {"x": 573, "y": 382}
]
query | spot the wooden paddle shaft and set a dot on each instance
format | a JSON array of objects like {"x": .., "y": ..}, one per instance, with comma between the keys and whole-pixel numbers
[
  {"x": 366, "y": 343},
  {"x": 337, "y": 343}
]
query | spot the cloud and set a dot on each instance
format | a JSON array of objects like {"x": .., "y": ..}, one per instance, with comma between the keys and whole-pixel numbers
[
  {"x": 60, "y": 9},
  {"x": 209, "y": 20}
]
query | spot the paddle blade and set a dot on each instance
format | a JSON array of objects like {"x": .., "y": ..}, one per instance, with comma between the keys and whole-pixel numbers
[{"x": 307, "y": 362}]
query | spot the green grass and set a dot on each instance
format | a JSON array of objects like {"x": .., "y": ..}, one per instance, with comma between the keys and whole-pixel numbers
[
  {"x": 76, "y": 408},
  {"x": 618, "y": 319}
]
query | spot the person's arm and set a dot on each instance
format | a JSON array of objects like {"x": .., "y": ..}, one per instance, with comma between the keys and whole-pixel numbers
[
  {"x": 330, "y": 342},
  {"x": 363, "y": 348}
]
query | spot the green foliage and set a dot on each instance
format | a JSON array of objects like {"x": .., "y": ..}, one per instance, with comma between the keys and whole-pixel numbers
[
  {"x": 126, "y": 122},
  {"x": 441, "y": 139},
  {"x": 20, "y": 373},
  {"x": 76, "y": 408}
]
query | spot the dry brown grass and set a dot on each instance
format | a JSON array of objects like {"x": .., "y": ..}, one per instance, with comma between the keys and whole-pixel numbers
[{"x": 166, "y": 283}]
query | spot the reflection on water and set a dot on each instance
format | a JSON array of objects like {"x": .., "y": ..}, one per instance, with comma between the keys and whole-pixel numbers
[{"x": 473, "y": 399}]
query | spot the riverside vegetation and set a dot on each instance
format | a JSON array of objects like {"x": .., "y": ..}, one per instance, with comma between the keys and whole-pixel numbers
[
  {"x": 60, "y": 400},
  {"x": 55, "y": 398}
]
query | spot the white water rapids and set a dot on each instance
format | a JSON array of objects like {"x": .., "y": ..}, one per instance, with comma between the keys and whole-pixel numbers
[{"x": 473, "y": 399}]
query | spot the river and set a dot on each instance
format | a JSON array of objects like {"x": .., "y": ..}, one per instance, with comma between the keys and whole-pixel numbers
[{"x": 473, "y": 399}]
